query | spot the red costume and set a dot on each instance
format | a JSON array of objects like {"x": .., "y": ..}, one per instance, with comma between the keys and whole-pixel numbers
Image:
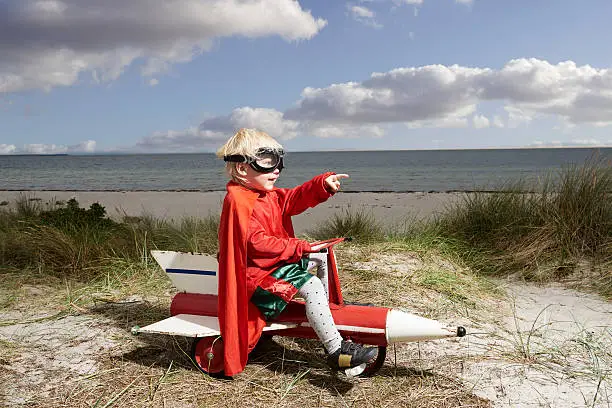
[{"x": 257, "y": 223}]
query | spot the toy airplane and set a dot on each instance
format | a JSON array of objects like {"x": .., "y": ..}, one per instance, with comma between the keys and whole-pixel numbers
[{"x": 194, "y": 313}]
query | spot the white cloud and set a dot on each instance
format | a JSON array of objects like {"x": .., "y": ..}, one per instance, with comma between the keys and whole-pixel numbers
[
  {"x": 400, "y": 2},
  {"x": 276, "y": 125},
  {"x": 434, "y": 96},
  {"x": 88, "y": 146},
  {"x": 572, "y": 143},
  {"x": 498, "y": 122},
  {"x": 564, "y": 126},
  {"x": 359, "y": 11},
  {"x": 452, "y": 122},
  {"x": 363, "y": 15},
  {"x": 346, "y": 131},
  {"x": 270, "y": 121},
  {"x": 539, "y": 143},
  {"x": 529, "y": 87},
  {"x": 480, "y": 121},
  {"x": 49, "y": 43},
  {"x": 587, "y": 142},
  {"x": 39, "y": 148},
  {"x": 191, "y": 139},
  {"x": 215, "y": 130},
  {"x": 153, "y": 82},
  {"x": 517, "y": 117},
  {"x": 7, "y": 148},
  {"x": 466, "y": 2},
  {"x": 400, "y": 95},
  {"x": 458, "y": 119}
]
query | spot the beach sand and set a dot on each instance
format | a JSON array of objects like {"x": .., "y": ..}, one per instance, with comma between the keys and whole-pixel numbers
[{"x": 392, "y": 209}]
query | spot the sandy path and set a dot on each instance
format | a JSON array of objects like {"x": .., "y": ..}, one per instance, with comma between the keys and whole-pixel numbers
[
  {"x": 553, "y": 350},
  {"x": 535, "y": 346}
]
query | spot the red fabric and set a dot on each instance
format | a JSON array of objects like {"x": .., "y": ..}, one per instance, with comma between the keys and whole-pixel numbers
[
  {"x": 283, "y": 289},
  {"x": 233, "y": 303},
  {"x": 256, "y": 236},
  {"x": 271, "y": 241}
]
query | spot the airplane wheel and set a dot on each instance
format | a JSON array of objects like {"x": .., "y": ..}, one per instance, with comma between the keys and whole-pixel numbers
[
  {"x": 207, "y": 353},
  {"x": 376, "y": 364}
]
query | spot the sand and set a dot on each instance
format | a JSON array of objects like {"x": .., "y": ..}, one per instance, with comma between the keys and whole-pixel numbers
[
  {"x": 552, "y": 350},
  {"x": 393, "y": 209}
]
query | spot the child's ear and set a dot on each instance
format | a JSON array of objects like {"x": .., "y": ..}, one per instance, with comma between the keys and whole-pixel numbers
[{"x": 241, "y": 169}]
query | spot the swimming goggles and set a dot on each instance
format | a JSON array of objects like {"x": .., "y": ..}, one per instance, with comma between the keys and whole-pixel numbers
[{"x": 266, "y": 160}]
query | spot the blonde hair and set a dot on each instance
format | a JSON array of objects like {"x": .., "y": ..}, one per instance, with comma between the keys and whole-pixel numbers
[{"x": 245, "y": 142}]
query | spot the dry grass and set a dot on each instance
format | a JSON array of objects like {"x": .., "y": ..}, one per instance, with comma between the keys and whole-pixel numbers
[
  {"x": 155, "y": 371},
  {"x": 288, "y": 374},
  {"x": 160, "y": 375},
  {"x": 544, "y": 234},
  {"x": 90, "y": 323},
  {"x": 400, "y": 275},
  {"x": 349, "y": 222},
  {"x": 70, "y": 242}
]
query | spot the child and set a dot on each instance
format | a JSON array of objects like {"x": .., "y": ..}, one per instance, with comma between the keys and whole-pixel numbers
[{"x": 262, "y": 266}]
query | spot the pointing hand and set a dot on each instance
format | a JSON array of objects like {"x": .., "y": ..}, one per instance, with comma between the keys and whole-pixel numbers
[{"x": 333, "y": 182}]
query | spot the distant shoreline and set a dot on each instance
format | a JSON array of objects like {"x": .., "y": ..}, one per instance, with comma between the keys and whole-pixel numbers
[
  {"x": 35, "y": 154},
  {"x": 390, "y": 208}
]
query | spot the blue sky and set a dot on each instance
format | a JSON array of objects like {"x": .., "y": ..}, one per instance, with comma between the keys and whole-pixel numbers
[{"x": 157, "y": 76}]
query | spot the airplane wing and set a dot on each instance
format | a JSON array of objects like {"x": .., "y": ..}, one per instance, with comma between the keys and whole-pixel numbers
[
  {"x": 189, "y": 325},
  {"x": 192, "y": 273}
]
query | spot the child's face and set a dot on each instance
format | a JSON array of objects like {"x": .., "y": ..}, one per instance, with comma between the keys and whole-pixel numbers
[{"x": 260, "y": 181}]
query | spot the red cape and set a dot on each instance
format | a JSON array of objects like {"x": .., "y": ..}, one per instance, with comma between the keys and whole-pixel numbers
[{"x": 240, "y": 335}]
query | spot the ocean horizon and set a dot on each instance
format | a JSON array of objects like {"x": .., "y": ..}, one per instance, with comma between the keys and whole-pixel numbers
[{"x": 448, "y": 170}]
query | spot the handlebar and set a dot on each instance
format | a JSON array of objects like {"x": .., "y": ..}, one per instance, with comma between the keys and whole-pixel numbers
[{"x": 320, "y": 245}]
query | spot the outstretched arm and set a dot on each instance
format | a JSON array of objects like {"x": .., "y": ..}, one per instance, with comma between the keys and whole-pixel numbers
[{"x": 313, "y": 192}]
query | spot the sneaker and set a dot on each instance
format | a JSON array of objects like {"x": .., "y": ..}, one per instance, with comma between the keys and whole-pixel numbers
[{"x": 351, "y": 355}]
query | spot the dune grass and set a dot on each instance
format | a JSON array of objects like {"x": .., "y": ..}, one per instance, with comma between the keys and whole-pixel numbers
[
  {"x": 562, "y": 230},
  {"x": 76, "y": 243},
  {"x": 349, "y": 222}
]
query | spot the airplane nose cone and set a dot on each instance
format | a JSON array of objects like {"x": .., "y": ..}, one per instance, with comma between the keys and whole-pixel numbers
[{"x": 403, "y": 327}]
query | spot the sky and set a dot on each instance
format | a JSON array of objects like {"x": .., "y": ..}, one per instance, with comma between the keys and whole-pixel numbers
[{"x": 161, "y": 76}]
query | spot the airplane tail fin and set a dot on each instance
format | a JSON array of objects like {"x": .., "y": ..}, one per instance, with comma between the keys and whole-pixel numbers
[{"x": 189, "y": 272}]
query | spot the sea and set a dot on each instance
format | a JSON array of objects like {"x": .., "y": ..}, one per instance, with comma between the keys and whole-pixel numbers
[{"x": 371, "y": 171}]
